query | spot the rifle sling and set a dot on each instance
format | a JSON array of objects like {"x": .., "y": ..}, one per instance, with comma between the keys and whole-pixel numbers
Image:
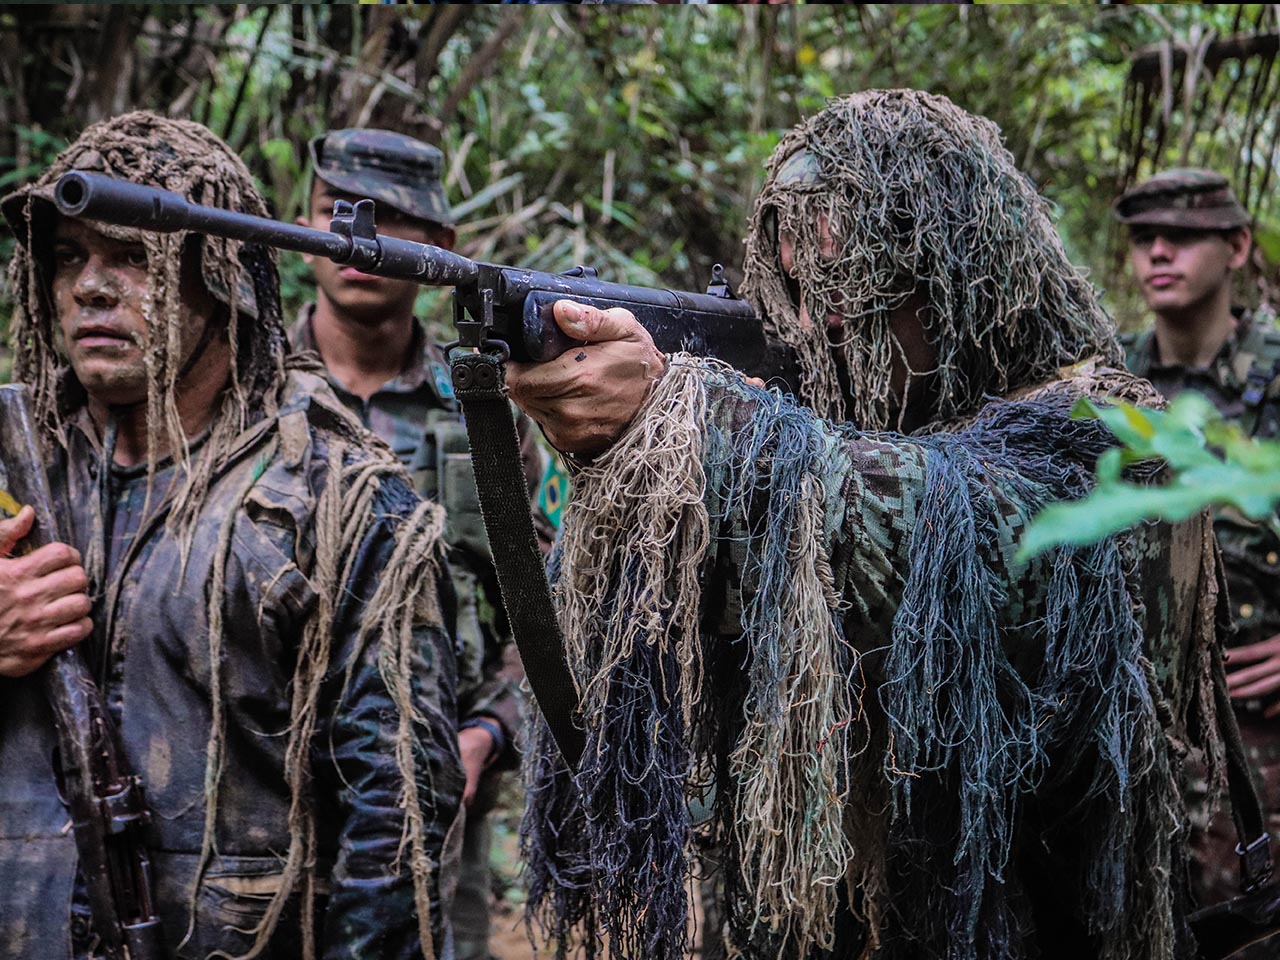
[
  {"x": 479, "y": 382},
  {"x": 1254, "y": 848}
]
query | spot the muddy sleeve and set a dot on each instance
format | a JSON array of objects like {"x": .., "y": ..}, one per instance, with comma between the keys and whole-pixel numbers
[{"x": 372, "y": 910}]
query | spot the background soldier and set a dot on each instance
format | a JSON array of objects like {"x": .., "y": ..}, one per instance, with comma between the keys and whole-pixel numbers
[
  {"x": 261, "y": 584},
  {"x": 382, "y": 365},
  {"x": 1188, "y": 237}
]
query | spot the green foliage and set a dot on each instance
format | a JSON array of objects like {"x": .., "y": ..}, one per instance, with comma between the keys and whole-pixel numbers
[
  {"x": 1212, "y": 463},
  {"x": 631, "y": 139}
]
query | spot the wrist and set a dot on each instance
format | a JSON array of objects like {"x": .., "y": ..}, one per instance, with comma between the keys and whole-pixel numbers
[{"x": 498, "y": 739}]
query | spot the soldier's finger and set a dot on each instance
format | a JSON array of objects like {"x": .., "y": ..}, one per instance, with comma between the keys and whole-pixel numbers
[
  {"x": 50, "y": 557},
  {"x": 19, "y": 665},
  {"x": 65, "y": 610},
  {"x": 1261, "y": 686},
  {"x": 1249, "y": 652},
  {"x": 61, "y": 583},
  {"x": 13, "y": 529},
  {"x": 66, "y": 636},
  {"x": 583, "y": 322},
  {"x": 1241, "y": 676}
]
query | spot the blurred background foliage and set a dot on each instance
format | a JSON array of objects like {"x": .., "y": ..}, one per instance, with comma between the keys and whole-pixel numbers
[{"x": 632, "y": 138}]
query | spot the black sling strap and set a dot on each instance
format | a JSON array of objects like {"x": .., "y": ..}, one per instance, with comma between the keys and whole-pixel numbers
[
  {"x": 1254, "y": 848},
  {"x": 1222, "y": 929},
  {"x": 479, "y": 384}
]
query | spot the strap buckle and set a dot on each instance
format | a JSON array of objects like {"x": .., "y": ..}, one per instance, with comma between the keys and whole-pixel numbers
[{"x": 1256, "y": 866}]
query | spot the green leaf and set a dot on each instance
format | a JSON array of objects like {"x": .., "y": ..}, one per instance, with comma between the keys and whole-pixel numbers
[{"x": 1211, "y": 461}]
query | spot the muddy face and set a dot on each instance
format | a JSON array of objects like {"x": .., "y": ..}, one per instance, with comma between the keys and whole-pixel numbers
[{"x": 99, "y": 289}]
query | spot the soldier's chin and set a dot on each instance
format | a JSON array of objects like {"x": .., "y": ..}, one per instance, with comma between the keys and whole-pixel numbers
[
  {"x": 1166, "y": 300},
  {"x": 369, "y": 304},
  {"x": 112, "y": 385}
]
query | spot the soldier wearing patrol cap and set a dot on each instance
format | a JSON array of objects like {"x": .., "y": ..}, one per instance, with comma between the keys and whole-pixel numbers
[
  {"x": 383, "y": 366},
  {"x": 1188, "y": 236}
]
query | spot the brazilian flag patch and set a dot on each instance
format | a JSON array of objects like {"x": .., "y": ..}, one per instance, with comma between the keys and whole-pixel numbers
[{"x": 554, "y": 490}]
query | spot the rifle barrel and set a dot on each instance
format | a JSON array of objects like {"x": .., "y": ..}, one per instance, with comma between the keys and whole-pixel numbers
[{"x": 94, "y": 196}]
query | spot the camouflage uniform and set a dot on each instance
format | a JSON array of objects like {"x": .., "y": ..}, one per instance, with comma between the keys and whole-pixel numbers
[
  {"x": 1243, "y": 383},
  {"x": 417, "y": 415},
  {"x": 915, "y": 744}
]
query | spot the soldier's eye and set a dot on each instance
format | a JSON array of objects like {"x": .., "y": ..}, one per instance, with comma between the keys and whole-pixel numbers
[
  {"x": 137, "y": 257},
  {"x": 65, "y": 254}
]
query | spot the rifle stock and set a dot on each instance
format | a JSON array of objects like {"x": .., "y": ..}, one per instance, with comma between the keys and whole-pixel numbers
[{"x": 105, "y": 801}]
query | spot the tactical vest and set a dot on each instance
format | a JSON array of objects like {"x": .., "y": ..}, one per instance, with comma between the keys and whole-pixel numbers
[{"x": 1255, "y": 364}]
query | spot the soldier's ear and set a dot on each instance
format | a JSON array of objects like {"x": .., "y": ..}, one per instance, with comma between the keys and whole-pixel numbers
[{"x": 1241, "y": 242}]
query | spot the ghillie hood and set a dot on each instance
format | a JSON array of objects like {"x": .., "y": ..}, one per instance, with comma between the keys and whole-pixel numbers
[
  {"x": 922, "y": 204},
  {"x": 188, "y": 159}
]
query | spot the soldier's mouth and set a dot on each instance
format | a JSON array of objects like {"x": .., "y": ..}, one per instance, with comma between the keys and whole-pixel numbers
[
  {"x": 101, "y": 335},
  {"x": 358, "y": 276}
]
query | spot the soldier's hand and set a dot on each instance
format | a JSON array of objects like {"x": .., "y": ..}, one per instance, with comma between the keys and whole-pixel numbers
[
  {"x": 475, "y": 744},
  {"x": 44, "y": 604},
  {"x": 1254, "y": 672},
  {"x": 588, "y": 395}
]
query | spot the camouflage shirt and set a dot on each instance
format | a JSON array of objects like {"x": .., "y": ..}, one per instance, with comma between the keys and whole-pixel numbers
[
  {"x": 416, "y": 414},
  {"x": 1242, "y": 383}
]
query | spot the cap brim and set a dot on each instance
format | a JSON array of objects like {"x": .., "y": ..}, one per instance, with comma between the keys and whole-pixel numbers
[
  {"x": 1186, "y": 219},
  {"x": 358, "y": 186},
  {"x": 13, "y": 207}
]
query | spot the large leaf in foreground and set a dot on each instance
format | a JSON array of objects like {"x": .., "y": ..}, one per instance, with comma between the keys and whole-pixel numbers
[{"x": 1211, "y": 463}]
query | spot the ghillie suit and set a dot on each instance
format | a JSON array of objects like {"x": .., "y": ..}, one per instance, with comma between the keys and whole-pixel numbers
[
  {"x": 907, "y": 745},
  {"x": 267, "y": 617}
]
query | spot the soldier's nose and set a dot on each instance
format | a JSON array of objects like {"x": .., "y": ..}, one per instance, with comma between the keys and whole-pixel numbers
[
  {"x": 1161, "y": 248},
  {"x": 96, "y": 287}
]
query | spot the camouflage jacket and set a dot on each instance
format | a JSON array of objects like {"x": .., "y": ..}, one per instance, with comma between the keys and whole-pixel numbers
[
  {"x": 416, "y": 414},
  {"x": 1243, "y": 382},
  {"x": 151, "y": 652}
]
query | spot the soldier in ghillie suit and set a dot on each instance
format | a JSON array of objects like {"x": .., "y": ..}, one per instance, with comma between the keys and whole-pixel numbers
[
  {"x": 1188, "y": 237},
  {"x": 909, "y": 745},
  {"x": 383, "y": 366},
  {"x": 262, "y": 585}
]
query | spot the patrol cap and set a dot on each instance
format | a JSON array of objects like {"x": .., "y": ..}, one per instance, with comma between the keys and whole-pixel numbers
[
  {"x": 1192, "y": 198},
  {"x": 388, "y": 167}
]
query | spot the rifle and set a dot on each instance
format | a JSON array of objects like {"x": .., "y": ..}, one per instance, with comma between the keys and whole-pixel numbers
[
  {"x": 500, "y": 313},
  {"x": 108, "y": 810},
  {"x": 508, "y": 305}
]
